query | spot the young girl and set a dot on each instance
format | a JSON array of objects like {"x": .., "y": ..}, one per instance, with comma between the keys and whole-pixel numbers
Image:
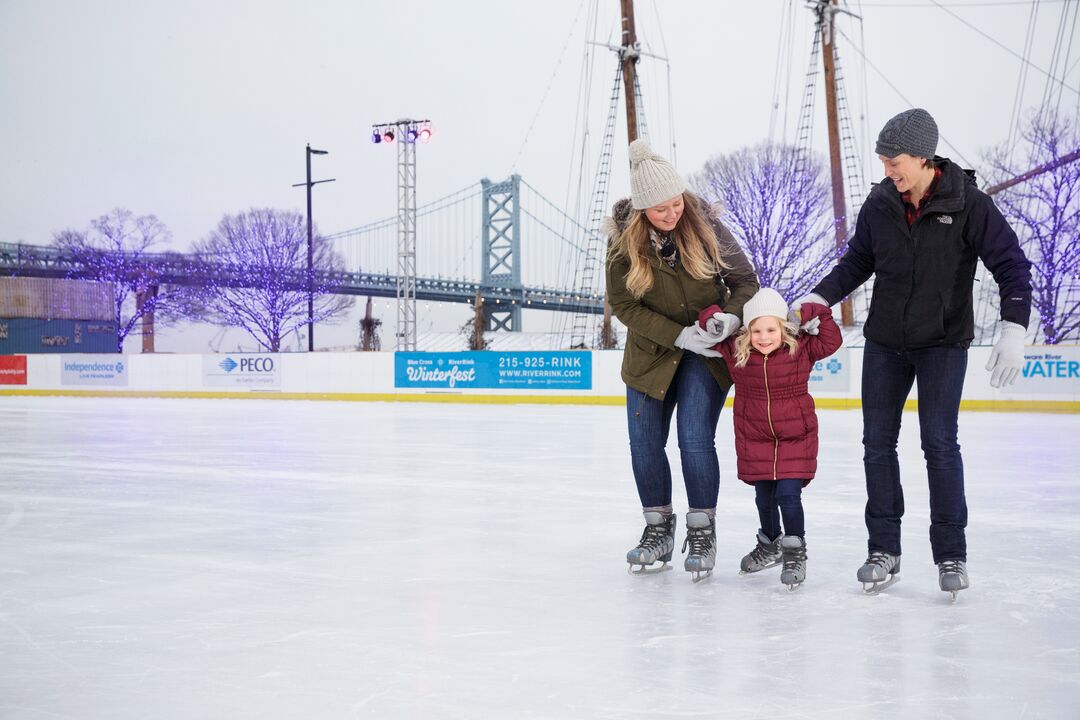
[{"x": 775, "y": 426}]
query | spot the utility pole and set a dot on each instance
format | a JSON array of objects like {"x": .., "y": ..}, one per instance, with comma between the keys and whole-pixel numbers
[
  {"x": 826, "y": 13},
  {"x": 308, "y": 152}
]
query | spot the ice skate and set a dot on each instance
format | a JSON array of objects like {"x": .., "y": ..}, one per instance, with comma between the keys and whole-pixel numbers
[
  {"x": 767, "y": 554},
  {"x": 879, "y": 572},
  {"x": 952, "y": 576},
  {"x": 794, "y": 554},
  {"x": 701, "y": 538},
  {"x": 656, "y": 545}
]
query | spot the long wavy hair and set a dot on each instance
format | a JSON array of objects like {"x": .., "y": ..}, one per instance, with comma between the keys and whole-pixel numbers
[
  {"x": 699, "y": 248},
  {"x": 789, "y": 335}
]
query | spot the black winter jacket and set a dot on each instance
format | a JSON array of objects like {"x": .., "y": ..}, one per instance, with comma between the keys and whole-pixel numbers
[{"x": 924, "y": 275}]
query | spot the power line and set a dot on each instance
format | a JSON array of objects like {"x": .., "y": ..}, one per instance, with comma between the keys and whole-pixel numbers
[
  {"x": 897, "y": 90},
  {"x": 1004, "y": 47}
]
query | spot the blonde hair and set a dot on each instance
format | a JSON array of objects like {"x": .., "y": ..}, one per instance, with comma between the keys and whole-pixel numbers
[
  {"x": 789, "y": 335},
  {"x": 699, "y": 248}
]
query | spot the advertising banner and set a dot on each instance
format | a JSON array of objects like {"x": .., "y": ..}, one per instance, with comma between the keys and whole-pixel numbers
[
  {"x": 532, "y": 370},
  {"x": 833, "y": 374},
  {"x": 1049, "y": 370},
  {"x": 93, "y": 370},
  {"x": 12, "y": 369},
  {"x": 260, "y": 371}
]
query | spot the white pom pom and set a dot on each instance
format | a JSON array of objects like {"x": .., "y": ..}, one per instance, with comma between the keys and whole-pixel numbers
[{"x": 639, "y": 150}]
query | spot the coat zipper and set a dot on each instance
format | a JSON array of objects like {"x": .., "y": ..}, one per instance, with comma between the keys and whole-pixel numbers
[{"x": 768, "y": 410}]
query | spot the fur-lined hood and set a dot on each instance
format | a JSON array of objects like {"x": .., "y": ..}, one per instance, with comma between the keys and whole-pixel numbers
[{"x": 613, "y": 225}]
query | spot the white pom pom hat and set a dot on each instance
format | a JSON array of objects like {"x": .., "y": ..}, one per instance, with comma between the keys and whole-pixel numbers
[{"x": 653, "y": 180}]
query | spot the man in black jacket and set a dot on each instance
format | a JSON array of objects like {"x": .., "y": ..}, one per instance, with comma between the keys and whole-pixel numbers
[{"x": 920, "y": 232}]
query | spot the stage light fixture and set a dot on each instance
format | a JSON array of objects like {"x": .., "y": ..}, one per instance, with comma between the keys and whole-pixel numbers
[
  {"x": 376, "y": 136},
  {"x": 388, "y": 135}
]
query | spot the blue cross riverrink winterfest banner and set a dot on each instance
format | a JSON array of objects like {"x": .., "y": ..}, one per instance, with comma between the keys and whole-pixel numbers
[{"x": 489, "y": 370}]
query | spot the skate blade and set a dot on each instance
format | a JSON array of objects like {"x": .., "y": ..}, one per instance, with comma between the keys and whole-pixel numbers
[
  {"x": 751, "y": 572},
  {"x": 793, "y": 587},
  {"x": 877, "y": 587},
  {"x": 653, "y": 569},
  {"x": 697, "y": 576}
]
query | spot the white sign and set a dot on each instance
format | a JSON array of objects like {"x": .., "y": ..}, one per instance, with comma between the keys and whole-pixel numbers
[
  {"x": 93, "y": 370},
  {"x": 245, "y": 372},
  {"x": 832, "y": 374},
  {"x": 1049, "y": 370}
]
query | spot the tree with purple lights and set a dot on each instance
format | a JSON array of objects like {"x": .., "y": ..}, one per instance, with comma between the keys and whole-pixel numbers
[
  {"x": 778, "y": 208},
  {"x": 1044, "y": 210},
  {"x": 263, "y": 252},
  {"x": 116, "y": 250}
]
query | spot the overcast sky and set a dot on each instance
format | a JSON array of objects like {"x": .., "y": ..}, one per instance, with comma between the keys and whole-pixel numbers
[{"x": 192, "y": 110}]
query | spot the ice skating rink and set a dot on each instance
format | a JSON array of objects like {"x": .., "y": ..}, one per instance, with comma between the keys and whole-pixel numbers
[{"x": 273, "y": 559}]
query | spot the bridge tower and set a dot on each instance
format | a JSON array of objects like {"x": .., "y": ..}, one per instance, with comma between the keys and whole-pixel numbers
[{"x": 502, "y": 251}]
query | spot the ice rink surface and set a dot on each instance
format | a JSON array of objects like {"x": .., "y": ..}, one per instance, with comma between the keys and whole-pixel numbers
[{"x": 270, "y": 559}]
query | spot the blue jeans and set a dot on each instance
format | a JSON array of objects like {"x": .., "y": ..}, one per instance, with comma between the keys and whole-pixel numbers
[
  {"x": 776, "y": 498},
  {"x": 886, "y": 381},
  {"x": 700, "y": 400}
]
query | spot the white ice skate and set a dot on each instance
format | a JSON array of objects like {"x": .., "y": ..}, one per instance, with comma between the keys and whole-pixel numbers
[
  {"x": 879, "y": 572},
  {"x": 656, "y": 545}
]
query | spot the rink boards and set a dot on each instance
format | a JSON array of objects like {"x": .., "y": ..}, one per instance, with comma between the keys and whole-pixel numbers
[{"x": 1050, "y": 380}]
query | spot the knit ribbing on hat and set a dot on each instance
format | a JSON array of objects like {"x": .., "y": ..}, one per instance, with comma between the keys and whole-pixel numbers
[
  {"x": 765, "y": 303},
  {"x": 913, "y": 132},
  {"x": 653, "y": 180}
]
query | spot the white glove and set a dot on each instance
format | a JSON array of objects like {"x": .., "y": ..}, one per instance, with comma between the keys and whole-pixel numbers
[
  {"x": 721, "y": 325},
  {"x": 1007, "y": 357},
  {"x": 811, "y": 298},
  {"x": 696, "y": 342},
  {"x": 811, "y": 326}
]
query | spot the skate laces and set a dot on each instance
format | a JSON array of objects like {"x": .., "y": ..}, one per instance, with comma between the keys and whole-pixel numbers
[
  {"x": 951, "y": 566},
  {"x": 794, "y": 556},
  {"x": 699, "y": 540},
  {"x": 762, "y": 553},
  {"x": 882, "y": 560},
  {"x": 654, "y": 535}
]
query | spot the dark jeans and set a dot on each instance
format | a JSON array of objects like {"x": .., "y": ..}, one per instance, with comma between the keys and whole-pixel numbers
[
  {"x": 776, "y": 498},
  {"x": 700, "y": 400},
  {"x": 886, "y": 381}
]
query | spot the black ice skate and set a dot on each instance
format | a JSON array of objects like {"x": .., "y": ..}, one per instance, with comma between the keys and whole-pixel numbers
[
  {"x": 952, "y": 576},
  {"x": 879, "y": 572},
  {"x": 767, "y": 554},
  {"x": 656, "y": 545},
  {"x": 794, "y": 573},
  {"x": 701, "y": 538}
]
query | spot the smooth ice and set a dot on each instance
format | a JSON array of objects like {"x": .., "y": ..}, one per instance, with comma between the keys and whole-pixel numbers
[{"x": 275, "y": 559}]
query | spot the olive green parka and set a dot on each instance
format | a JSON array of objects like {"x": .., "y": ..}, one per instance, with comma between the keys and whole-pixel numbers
[{"x": 671, "y": 304}]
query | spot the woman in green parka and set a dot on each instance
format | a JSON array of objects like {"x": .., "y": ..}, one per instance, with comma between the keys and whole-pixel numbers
[{"x": 668, "y": 258}]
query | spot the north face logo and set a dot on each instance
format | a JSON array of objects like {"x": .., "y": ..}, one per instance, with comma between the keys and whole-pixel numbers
[{"x": 945, "y": 219}]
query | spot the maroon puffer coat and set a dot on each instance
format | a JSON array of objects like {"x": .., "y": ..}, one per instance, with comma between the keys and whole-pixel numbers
[{"x": 775, "y": 424}]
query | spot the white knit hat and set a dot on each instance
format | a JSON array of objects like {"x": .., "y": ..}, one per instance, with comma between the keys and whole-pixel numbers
[
  {"x": 653, "y": 180},
  {"x": 765, "y": 303}
]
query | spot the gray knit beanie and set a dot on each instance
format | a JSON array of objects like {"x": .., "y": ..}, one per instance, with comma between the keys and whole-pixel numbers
[
  {"x": 653, "y": 180},
  {"x": 765, "y": 303},
  {"x": 913, "y": 132}
]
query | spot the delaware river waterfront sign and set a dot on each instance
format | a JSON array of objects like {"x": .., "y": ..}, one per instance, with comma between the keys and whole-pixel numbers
[{"x": 552, "y": 370}]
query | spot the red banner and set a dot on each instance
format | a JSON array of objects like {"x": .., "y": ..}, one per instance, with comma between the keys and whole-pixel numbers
[{"x": 12, "y": 369}]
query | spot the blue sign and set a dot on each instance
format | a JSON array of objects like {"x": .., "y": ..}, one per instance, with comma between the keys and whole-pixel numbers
[{"x": 549, "y": 370}]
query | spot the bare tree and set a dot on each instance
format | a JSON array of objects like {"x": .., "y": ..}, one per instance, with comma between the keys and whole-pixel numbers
[
  {"x": 1044, "y": 210},
  {"x": 778, "y": 208},
  {"x": 116, "y": 250},
  {"x": 369, "y": 330},
  {"x": 473, "y": 329},
  {"x": 263, "y": 253}
]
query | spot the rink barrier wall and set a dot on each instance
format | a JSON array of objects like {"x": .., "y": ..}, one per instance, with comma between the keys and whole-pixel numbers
[{"x": 1051, "y": 382}]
